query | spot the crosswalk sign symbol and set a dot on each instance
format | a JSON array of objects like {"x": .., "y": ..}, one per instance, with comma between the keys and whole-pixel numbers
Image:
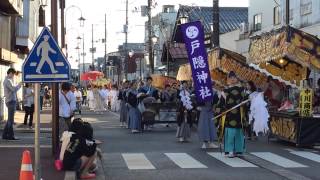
[{"x": 46, "y": 62}]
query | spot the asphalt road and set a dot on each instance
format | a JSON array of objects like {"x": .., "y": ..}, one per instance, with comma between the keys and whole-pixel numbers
[{"x": 156, "y": 154}]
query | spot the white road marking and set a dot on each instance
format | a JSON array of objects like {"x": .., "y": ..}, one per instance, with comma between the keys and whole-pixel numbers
[
  {"x": 233, "y": 162},
  {"x": 278, "y": 160},
  {"x": 22, "y": 146},
  {"x": 136, "y": 161},
  {"x": 288, "y": 149},
  {"x": 183, "y": 160},
  {"x": 308, "y": 155}
]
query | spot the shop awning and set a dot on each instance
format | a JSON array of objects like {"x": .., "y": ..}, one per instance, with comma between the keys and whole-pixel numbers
[{"x": 8, "y": 56}]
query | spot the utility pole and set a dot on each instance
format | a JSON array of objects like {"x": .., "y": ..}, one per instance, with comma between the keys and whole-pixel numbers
[
  {"x": 79, "y": 60},
  {"x": 126, "y": 43},
  {"x": 83, "y": 69},
  {"x": 105, "y": 44},
  {"x": 150, "y": 37},
  {"x": 63, "y": 33},
  {"x": 215, "y": 42},
  {"x": 55, "y": 86},
  {"x": 168, "y": 65},
  {"x": 92, "y": 51}
]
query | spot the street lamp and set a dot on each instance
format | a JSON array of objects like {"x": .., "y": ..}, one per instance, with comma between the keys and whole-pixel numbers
[
  {"x": 78, "y": 49},
  {"x": 81, "y": 20},
  {"x": 154, "y": 41},
  {"x": 183, "y": 19}
]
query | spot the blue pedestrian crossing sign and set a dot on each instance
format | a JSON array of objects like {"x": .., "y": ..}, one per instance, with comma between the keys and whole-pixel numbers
[{"x": 46, "y": 62}]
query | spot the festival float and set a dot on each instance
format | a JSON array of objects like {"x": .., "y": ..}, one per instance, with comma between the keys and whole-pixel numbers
[{"x": 292, "y": 58}]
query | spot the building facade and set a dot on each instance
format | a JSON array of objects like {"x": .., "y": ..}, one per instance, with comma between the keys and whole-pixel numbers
[
  {"x": 162, "y": 28},
  {"x": 9, "y": 12},
  {"x": 230, "y": 21},
  {"x": 264, "y": 16},
  {"x": 132, "y": 55},
  {"x": 19, "y": 28}
]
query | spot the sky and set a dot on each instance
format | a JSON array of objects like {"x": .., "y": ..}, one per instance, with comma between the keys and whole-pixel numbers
[{"x": 94, "y": 10}]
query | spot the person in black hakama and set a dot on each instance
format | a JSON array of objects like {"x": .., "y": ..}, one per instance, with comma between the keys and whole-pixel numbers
[
  {"x": 134, "y": 122},
  {"x": 184, "y": 118},
  {"x": 123, "y": 104},
  {"x": 206, "y": 128}
]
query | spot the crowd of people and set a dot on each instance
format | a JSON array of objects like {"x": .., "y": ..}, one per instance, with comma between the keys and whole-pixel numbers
[
  {"x": 101, "y": 98},
  {"x": 235, "y": 123},
  {"x": 231, "y": 128}
]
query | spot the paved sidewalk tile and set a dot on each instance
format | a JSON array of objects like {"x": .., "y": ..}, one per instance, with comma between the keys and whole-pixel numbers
[{"x": 11, "y": 157}]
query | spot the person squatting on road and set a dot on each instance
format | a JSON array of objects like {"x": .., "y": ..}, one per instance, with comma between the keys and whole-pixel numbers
[{"x": 79, "y": 150}]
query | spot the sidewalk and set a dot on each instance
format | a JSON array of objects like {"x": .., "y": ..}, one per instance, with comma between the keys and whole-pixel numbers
[
  {"x": 45, "y": 122},
  {"x": 11, "y": 152},
  {"x": 11, "y": 163}
]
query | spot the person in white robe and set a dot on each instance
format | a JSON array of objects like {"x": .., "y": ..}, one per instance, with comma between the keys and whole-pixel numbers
[
  {"x": 103, "y": 95},
  {"x": 115, "y": 104},
  {"x": 98, "y": 102},
  {"x": 90, "y": 98}
]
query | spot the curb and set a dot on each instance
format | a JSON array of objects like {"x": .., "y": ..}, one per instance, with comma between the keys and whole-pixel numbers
[
  {"x": 27, "y": 130},
  {"x": 100, "y": 172}
]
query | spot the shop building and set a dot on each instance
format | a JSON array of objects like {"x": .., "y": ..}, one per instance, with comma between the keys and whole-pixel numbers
[{"x": 19, "y": 27}]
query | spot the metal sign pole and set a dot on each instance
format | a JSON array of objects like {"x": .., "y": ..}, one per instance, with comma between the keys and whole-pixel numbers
[{"x": 37, "y": 131}]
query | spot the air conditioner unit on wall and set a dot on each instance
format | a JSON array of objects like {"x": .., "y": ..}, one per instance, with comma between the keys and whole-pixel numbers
[{"x": 243, "y": 28}]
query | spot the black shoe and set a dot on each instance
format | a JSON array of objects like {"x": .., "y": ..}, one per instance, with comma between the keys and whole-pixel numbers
[{"x": 13, "y": 139}]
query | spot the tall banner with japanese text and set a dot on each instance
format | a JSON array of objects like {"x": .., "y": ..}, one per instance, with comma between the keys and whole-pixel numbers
[
  {"x": 193, "y": 36},
  {"x": 305, "y": 103}
]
